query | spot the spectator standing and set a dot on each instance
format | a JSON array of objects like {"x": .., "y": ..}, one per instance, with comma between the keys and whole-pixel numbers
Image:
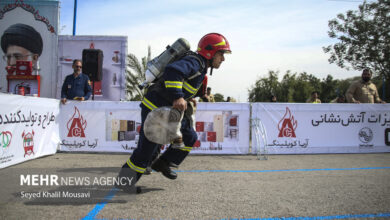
[
  {"x": 208, "y": 97},
  {"x": 363, "y": 91},
  {"x": 273, "y": 98},
  {"x": 314, "y": 98},
  {"x": 338, "y": 99},
  {"x": 228, "y": 99}
]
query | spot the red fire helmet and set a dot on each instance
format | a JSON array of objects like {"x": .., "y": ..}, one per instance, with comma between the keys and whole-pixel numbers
[{"x": 211, "y": 43}]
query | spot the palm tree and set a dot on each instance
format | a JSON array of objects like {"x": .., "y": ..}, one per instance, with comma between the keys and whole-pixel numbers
[{"x": 135, "y": 75}]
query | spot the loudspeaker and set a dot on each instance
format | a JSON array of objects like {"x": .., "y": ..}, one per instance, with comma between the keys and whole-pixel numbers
[{"x": 93, "y": 64}]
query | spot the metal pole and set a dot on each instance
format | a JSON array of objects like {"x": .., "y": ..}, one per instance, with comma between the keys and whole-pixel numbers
[
  {"x": 93, "y": 89},
  {"x": 74, "y": 17},
  {"x": 384, "y": 88}
]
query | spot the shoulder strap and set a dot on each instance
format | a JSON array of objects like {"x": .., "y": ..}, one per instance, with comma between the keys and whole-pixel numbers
[
  {"x": 195, "y": 75},
  {"x": 197, "y": 57}
]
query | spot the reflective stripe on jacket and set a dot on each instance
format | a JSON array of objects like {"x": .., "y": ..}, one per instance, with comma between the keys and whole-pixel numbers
[{"x": 181, "y": 79}]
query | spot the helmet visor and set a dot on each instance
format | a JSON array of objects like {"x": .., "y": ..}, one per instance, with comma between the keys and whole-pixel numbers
[{"x": 226, "y": 51}]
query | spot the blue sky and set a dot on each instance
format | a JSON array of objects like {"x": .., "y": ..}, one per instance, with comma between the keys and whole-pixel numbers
[{"x": 264, "y": 34}]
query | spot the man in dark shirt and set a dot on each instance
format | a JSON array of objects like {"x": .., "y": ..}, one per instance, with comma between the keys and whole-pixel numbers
[
  {"x": 178, "y": 85},
  {"x": 77, "y": 85}
]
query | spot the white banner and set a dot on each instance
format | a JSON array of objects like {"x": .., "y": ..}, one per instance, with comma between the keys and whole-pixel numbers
[
  {"x": 31, "y": 127},
  {"x": 28, "y": 128},
  {"x": 222, "y": 128},
  {"x": 323, "y": 128},
  {"x": 100, "y": 126}
]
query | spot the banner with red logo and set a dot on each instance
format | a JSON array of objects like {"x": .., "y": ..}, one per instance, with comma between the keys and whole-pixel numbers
[
  {"x": 114, "y": 127},
  {"x": 28, "y": 128},
  {"x": 321, "y": 128}
]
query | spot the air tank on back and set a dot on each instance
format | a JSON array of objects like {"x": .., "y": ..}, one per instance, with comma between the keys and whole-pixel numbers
[{"x": 156, "y": 66}]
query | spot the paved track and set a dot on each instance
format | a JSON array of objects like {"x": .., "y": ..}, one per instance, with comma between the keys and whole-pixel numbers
[{"x": 343, "y": 186}]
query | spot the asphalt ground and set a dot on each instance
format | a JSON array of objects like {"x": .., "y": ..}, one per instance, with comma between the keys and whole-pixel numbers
[{"x": 331, "y": 186}]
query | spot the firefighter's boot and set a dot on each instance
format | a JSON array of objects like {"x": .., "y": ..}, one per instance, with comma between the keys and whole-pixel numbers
[
  {"x": 160, "y": 165},
  {"x": 127, "y": 179},
  {"x": 173, "y": 165}
]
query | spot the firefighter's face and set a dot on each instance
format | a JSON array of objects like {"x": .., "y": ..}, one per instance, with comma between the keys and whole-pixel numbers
[
  {"x": 16, "y": 53},
  {"x": 218, "y": 59}
]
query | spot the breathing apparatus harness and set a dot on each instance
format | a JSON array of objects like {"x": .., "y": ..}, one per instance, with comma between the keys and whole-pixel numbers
[{"x": 159, "y": 85}]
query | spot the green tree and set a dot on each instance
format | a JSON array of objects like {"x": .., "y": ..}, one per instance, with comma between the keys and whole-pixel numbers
[
  {"x": 328, "y": 89},
  {"x": 343, "y": 85},
  {"x": 135, "y": 75},
  {"x": 304, "y": 86},
  {"x": 218, "y": 97},
  {"x": 296, "y": 87},
  {"x": 265, "y": 87},
  {"x": 364, "y": 38},
  {"x": 287, "y": 87},
  {"x": 378, "y": 81}
]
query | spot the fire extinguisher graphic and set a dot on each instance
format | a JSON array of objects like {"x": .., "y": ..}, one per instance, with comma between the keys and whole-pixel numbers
[{"x": 22, "y": 89}]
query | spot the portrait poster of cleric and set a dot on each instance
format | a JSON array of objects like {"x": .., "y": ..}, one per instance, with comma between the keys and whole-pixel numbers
[{"x": 29, "y": 32}]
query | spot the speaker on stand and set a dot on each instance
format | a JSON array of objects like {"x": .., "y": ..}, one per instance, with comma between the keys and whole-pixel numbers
[{"x": 93, "y": 66}]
